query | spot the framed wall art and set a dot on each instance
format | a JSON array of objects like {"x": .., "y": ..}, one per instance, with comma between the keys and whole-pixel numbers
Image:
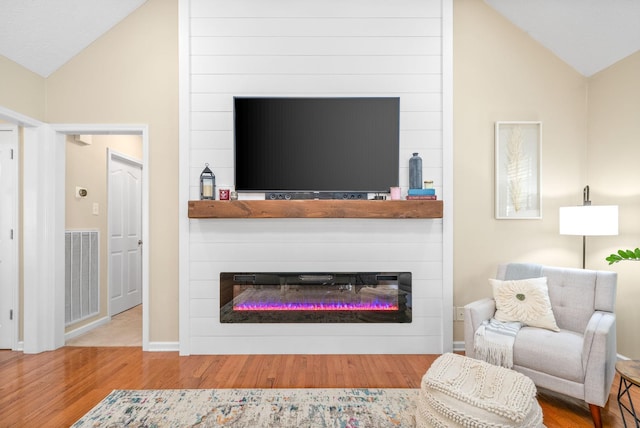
[{"x": 517, "y": 165}]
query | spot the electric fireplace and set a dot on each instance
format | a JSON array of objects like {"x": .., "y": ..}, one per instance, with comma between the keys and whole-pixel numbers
[{"x": 303, "y": 297}]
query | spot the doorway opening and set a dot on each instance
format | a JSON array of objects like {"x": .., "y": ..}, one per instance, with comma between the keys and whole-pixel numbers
[
  {"x": 104, "y": 201},
  {"x": 106, "y": 187}
]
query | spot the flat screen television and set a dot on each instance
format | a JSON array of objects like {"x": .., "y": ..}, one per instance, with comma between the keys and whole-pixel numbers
[{"x": 348, "y": 144}]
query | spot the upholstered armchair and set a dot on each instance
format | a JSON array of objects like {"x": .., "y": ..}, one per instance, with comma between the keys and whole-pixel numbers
[{"x": 579, "y": 359}]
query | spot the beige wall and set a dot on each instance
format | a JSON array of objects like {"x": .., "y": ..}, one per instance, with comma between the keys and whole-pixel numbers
[
  {"x": 589, "y": 137},
  {"x": 614, "y": 177},
  {"x": 130, "y": 75},
  {"x": 502, "y": 74},
  {"x": 21, "y": 90},
  {"x": 86, "y": 166}
]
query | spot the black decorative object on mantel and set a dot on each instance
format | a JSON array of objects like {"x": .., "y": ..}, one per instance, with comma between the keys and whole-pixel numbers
[
  {"x": 415, "y": 172},
  {"x": 207, "y": 183}
]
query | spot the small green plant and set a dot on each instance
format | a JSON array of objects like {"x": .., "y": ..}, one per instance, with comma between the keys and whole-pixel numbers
[{"x": 624, "y": 255}]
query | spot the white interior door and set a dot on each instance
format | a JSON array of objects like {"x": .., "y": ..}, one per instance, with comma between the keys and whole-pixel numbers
[
  {"x": 125, "y": 232},
  {"x": 8, "y": 234}
]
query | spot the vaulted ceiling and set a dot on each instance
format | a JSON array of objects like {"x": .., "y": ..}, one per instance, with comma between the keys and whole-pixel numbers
[
  {"x": 42, "y": 35},
  {"x": 590, "y": 35}
]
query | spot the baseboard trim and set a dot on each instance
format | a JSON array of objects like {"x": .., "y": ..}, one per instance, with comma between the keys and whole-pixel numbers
[
  {"x": 163, "y": 347},
  {"x": 86, "y": 328},
  {"x": 458, "y": 346}
]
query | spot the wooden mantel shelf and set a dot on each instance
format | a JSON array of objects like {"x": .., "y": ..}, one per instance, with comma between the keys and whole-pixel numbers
[{"x": 316, "y": 209}]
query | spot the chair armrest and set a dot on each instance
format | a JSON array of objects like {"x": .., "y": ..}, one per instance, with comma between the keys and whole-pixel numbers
[
  {"x": 474, "y": 314},
  {"x": 599, "y": 355}
]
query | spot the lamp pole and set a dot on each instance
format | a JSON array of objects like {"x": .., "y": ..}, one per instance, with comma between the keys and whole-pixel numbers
[{"x": 585, "y": 202}]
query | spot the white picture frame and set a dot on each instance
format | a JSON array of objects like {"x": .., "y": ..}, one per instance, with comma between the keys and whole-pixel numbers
[{"x": 518, "y": 152}]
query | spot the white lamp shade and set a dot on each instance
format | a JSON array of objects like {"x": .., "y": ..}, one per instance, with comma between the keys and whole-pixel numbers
[{"x": 589, "y": 220}]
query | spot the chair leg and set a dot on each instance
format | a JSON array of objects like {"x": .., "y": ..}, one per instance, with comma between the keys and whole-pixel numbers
[{"x": 596, "y": 415}]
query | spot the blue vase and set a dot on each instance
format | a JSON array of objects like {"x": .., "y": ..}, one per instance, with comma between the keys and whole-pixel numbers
[{"x": 415, "y": 172}]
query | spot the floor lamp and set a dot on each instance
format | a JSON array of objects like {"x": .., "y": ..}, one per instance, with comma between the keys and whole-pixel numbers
[{"x": 588, "y": 220}]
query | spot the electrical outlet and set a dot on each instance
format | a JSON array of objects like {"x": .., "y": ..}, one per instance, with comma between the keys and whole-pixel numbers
[{"x": 460, "y": 313}]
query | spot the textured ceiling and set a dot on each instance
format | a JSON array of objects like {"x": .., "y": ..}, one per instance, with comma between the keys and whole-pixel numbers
[
  {"x": 590, "y": 35},
  {"x": 42, "y": 35}
]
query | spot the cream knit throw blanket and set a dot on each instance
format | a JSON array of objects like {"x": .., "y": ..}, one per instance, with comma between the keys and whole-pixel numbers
[{"x": 493, "y": 342}]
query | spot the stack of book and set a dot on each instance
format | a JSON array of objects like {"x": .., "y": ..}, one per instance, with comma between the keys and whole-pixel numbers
[{"x": 428, "y": 194}]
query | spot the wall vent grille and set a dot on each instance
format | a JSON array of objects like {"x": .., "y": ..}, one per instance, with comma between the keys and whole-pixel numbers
[{"x": 82, "y": 279}]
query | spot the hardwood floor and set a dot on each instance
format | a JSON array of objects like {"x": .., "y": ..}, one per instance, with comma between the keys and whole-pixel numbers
[{"x": 54, "y": 389}]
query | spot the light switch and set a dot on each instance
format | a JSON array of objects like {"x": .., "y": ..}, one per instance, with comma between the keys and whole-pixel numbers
[{"x": 96, "y": 208}]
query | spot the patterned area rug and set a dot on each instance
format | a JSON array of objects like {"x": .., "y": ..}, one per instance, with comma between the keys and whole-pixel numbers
[{"x": 253, "y": 408}]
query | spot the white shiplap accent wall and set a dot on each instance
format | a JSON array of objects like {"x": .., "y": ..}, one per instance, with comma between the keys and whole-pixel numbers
[{"x": 311, "y": 48}]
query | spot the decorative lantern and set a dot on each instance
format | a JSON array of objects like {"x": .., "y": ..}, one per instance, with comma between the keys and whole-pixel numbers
[{"x": 207, "y": 183}]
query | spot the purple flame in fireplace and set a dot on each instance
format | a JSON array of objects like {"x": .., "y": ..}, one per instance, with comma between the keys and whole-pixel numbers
[
  {"x": 302, "y": 306},
  {"x": 342, "y": 297}
]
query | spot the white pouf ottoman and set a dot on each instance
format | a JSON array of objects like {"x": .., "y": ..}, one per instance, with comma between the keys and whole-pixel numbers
[{"x": 458, "y": 391}]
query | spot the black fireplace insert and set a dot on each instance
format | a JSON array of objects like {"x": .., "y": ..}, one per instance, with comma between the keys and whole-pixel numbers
[{"x": 303, "y": 297}]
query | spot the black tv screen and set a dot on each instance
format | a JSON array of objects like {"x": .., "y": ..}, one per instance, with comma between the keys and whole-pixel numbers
[{"x": 316, "y": 144}]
